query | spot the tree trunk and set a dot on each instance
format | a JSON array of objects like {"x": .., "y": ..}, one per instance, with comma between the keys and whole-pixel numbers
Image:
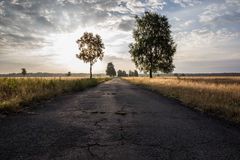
[
  {"x": 150, "y": 73},
  {"x": 151, "y": 66},
  {"x": 90, "y": 70}
]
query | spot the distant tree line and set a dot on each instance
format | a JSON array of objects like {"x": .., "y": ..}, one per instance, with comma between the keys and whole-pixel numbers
[
  {"x": 110, "y": 71},
  {"x": 46, "y": 74},
  {"x": 133, "y": 73},
  {"x": 122, "y": 73}
]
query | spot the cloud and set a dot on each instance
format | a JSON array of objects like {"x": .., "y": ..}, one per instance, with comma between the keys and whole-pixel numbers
[
  {"x": 30, "y": 18},
  {"x": 21, "y": 41},
  {"x": 233, "y": 2},
  {"x": 222, "y": 13},
  {"x": 187, "y": 23},
  {"x": 126, "y": 25},
  {"x": 33, "y": 18},
  {"x": 14, "y": 61},
  {"x": 206, "y": 45},
  {"x": 120, "y": 63},
  {"x": 46, "y": 30},
  {"x": 185, "y": 3},
  {"x": 131, "y": 7},
  {"x": 208, "y": 66},
  {"x": 205, "y": 37},
  {"x": 2, "y": 8},
  {"x": 138, "y": 7},
  {"x": 176, "y": 19}
]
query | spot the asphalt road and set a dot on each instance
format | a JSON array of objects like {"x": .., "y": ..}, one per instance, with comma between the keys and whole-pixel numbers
[{"x": 116, "y": 121}]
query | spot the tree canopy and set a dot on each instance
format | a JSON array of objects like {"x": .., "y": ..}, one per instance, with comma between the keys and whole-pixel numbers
[
  {"x": 24, "y": 71},
  {"x": 154, "y": 48},
  {"x": 133, "y": 73},
  {"x": 121, "y": 73},
  {"x": 110, "y": 71},
  {"x": 69, "y": 74},
  {"x": 91, "y": 49}
]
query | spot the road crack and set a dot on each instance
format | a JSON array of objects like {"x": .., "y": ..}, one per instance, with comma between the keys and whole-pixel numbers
[
  {"x": 95, "y": 155},
  {"x": 97, "y": 123}
]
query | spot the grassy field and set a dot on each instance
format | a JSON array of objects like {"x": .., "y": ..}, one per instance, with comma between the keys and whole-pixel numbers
[
  {"x": 17, "y": 92},
  {"x": 217, "y": 95}
]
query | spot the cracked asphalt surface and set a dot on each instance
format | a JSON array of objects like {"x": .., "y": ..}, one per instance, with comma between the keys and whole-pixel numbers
[{"x": 116, "y": 121}]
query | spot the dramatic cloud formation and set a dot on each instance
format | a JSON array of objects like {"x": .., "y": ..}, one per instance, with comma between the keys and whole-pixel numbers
[{"x": 41, "y": 35}]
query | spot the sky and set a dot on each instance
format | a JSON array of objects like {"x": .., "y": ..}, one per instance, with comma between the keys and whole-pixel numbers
[{"x": 40, "y": 35}]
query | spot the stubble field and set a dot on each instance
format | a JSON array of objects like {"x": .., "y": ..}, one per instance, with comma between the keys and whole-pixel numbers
[
  {"x": 18, "y": 92},
  {"x": 217, "y": 95}
]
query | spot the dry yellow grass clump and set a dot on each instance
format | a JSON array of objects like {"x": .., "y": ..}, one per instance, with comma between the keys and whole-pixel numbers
[
  {"x": 16, "y": 92},
  {"x": 218, "y": 95}
]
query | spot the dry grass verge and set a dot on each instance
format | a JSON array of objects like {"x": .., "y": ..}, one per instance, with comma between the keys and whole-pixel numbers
[
  {"x": 17, "y": 92},
  {"x": 218, "y": 95}
]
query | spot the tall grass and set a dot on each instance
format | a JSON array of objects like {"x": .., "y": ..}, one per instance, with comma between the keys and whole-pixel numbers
[
  {"x": 17, "y": 92},
  {"x": 218, "y": 95}
]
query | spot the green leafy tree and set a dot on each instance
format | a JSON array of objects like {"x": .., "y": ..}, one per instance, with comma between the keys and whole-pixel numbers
[
  {"x": 130, "y": 73},
  {"x": 135, "y": 73},
  {"x": 111, "y": 70},
  {"x": 121, "y": 73},
  {"x": 24, "y": 71},
  {"x": 69, "y": 74},
  {"x": 124, "y": 74},
  {"x": 154, "y": 48},
  {"x": 91, "y": 49}
]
